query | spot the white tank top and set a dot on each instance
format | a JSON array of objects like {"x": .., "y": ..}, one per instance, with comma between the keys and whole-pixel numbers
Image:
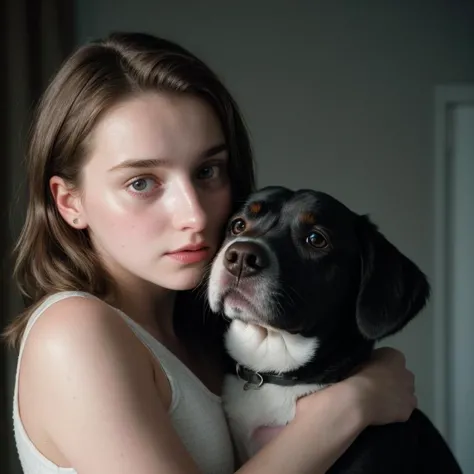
[{"x": 196, "y": 413}]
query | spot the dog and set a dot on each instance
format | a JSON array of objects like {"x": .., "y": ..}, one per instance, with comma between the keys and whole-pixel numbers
[{"x": 308, "y": 287}]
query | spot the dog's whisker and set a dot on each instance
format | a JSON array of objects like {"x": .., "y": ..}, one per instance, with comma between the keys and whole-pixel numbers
[
  {"x": 287, "y": 290},
  {"x": 202, "y": 284}
]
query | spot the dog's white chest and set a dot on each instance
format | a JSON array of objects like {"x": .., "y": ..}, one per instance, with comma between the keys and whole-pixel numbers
[
  {"x": 270, "y": 405},
  {"x": 248, "y": 410}
]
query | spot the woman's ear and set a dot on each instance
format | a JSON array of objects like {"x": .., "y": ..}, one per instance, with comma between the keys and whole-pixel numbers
[
  {"x": 393, "y": 289},
  {"x": 68, "y": 202}
]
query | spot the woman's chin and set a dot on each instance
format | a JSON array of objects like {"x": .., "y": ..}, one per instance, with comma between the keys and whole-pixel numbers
[{"x": 184, "y": 281}]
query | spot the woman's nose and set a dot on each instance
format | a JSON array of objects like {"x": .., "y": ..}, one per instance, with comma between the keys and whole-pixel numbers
[{"x": 187, "y": 211}]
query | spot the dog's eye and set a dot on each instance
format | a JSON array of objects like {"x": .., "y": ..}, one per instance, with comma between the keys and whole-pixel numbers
[
  {"x": 237, "y": 226},
  {"x": 317, "y": 240}
]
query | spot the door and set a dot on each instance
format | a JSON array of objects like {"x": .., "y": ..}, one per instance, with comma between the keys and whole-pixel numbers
[{"x": 454, "y": 258}]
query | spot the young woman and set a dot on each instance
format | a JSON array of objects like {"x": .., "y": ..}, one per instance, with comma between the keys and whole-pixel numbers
[{"x": 137, "y": 157}]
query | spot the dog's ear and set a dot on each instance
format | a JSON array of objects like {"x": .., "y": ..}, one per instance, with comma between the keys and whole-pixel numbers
[{"x": 393, "y": 289}]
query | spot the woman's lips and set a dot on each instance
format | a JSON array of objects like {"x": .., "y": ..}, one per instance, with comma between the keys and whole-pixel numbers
[{"x": 190, "y": 256}]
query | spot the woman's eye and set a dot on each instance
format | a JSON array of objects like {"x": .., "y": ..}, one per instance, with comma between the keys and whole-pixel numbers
[
  {"x": 208, "y": 172},
  {"x": 317, "y": 240},
  {"x": 142, "y": 185}
]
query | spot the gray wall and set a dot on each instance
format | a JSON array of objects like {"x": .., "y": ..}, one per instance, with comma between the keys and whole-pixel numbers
[{"x": 338, "y": 96}]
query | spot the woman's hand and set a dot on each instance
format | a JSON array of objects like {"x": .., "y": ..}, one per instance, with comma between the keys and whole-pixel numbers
[
  {"x": 384, "y": 388},
  {"x": 379, "y": 392}
]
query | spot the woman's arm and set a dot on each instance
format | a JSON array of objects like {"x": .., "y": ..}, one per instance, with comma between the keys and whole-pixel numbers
[
  {"x": 327, "y": 422},
  {"x": 96, "y": 397},
  {"x": 315, "y": 439}
]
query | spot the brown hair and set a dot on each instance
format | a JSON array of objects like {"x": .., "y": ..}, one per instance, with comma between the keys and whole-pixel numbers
[{"x": 50, "y": 255}]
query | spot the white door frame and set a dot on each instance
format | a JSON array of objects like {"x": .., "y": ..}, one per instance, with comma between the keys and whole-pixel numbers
[{"x": 446, "y": 99}]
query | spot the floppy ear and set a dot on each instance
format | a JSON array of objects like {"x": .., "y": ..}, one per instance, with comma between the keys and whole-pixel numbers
[{"x": 393, "y": 289}]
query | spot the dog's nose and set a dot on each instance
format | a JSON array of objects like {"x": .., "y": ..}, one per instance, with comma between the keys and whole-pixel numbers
[{"x": 244, "y": 259}]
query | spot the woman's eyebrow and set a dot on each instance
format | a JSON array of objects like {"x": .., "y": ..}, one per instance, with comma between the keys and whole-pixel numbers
[
  {"x": 157, "y": 162},
  {"x": 214, "y": 151}
]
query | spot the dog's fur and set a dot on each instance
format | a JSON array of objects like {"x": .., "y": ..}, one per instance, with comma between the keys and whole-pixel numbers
[{"x": 308, "y": 287}]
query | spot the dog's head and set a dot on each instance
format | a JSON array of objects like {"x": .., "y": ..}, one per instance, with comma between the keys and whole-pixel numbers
[{"x": 303, "y": 263}]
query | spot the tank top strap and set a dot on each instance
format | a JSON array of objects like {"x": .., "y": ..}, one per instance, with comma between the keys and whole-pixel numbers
[{"x": 175, "y": 370}]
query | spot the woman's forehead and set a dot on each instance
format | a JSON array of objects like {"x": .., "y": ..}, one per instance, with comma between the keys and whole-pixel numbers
[{"x": 154, "y": 126}]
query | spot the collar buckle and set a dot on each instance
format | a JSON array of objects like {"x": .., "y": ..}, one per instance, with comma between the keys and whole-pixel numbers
[{"x": 253, "y": 380}]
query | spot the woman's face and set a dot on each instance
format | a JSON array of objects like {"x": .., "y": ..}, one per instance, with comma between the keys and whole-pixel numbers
[{"x": 156, "y": 181}]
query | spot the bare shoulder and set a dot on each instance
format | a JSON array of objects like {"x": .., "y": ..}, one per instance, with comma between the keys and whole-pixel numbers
[
  {"x": 79, "y": 333},
  {"x": 90, "y": 384},
  {"x": 75, "y": 320},
  {"x": 76, "y": 340}
]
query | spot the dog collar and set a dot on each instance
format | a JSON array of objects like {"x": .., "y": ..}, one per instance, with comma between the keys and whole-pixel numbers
[{"x": 254, "y": 380}]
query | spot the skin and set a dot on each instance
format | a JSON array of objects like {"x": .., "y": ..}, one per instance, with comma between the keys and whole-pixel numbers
[
  {"x": 74, "y": 358},
  {"x": 150, "y": 187}
]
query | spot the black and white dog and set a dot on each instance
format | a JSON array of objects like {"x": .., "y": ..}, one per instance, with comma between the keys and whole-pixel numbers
[{"x": 308, "y": 287}]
